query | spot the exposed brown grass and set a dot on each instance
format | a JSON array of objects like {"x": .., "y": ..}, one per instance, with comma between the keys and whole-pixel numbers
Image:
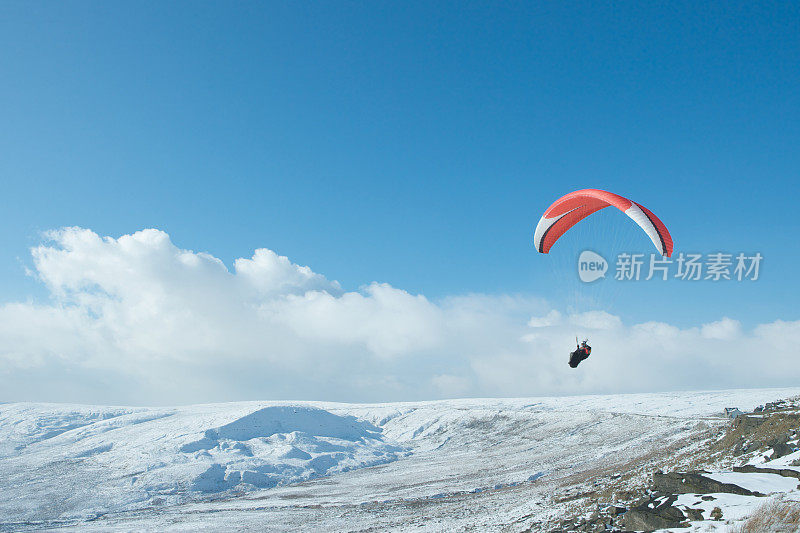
[
  {"x": 775, "y": 516},
  {"x": 774, "y": 425}
]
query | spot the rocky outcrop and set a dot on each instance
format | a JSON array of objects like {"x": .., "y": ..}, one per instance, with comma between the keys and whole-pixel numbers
[
  {"x": 651, "y": 516},
  {"x": 693, "y": 483},
  {"x": 694, "y": 514},
  {"x": 780, "y": 447},
  {"x": 750, "y": 469}
]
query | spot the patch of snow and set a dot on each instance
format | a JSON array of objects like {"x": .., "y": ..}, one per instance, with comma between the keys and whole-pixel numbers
[
  {"x": 733, "y": 506},
  {"x": 757, "y": 482},
  {"x": 784, "y": 462}
]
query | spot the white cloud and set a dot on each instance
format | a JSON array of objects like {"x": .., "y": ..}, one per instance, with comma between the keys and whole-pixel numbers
[
  {"x": 387, "y": 321},
  {"x": 596, "y": 320},
  {"x": 725, "y": 329},
  {"x": 273, "y": 275},
  {"x": 550, "y": 319},
  {"x": 139, "y": 320}
]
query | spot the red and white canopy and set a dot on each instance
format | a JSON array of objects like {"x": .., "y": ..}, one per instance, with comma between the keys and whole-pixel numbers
[{"x": 575, "y": 206}]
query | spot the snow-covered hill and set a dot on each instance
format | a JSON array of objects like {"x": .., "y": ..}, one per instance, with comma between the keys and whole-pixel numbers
[{"x": 493, "y": 464}]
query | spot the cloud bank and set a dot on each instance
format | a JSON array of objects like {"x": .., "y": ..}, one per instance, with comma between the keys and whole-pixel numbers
[{"x": 138, "y": 320}]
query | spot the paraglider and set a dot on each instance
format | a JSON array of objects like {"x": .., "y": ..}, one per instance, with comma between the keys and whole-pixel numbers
[
  {"x": 571, "y": 208},
  {"x": 581, "y": 352}
]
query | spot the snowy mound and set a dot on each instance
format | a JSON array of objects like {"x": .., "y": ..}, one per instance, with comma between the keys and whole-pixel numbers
[{"x": 283, "y": 444}]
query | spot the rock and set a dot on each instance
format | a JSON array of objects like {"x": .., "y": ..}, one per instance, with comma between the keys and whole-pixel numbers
[
  {"x": 780, "y": 448},
  {"x": 707, "y": 498},
  {"x": 691, "y": 483},
  {"x": 694, "y": 514},
  {"x": 716, "y": 513},
  {"x": 750, "y": 469},
  {"x": 777, "y": 404},
  {"x": 647, "y": 518}
]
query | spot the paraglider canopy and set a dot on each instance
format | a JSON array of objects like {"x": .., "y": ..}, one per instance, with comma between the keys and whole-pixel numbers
[{"x": 571, "y": 208}]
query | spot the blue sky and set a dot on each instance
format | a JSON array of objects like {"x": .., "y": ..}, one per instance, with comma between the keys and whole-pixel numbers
[{"x": 412, "y": 143}]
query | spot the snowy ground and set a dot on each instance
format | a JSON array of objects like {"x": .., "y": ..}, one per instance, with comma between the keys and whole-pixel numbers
[{"x": 484, "y": 464}]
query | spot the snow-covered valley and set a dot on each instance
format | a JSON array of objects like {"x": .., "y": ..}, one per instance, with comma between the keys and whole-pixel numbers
[{"x": 484, "y": 464}]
